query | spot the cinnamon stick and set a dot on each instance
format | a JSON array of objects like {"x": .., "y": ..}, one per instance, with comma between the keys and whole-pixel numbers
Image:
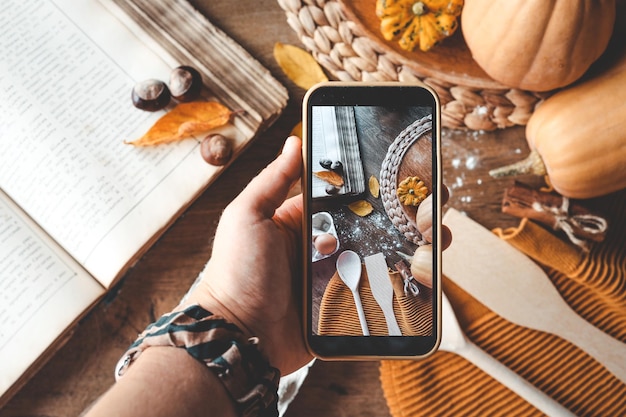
[{"x": 555, "y": 211}]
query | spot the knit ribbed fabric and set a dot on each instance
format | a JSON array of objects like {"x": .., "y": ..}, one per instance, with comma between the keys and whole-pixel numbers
[{"x": 592, "y": 283}]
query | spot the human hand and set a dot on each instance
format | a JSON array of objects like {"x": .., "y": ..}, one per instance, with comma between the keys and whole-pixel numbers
[
  {"x": 252, "y": 281},
  {"x": 252, "y": 276},
  {"x": 422, "y": 260},
  {"x": 424, "y": 219}
]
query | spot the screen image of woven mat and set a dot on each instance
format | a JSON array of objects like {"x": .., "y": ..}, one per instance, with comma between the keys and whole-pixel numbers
[
  {"x": 338, "y": 315},
  {"x": 593, "y": 283}
]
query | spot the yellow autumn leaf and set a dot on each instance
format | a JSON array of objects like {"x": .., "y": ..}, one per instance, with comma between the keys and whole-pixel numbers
[
  {"x": 361, "y": 208},
  {"x": 297, "y": 130},
  {"x": 299, "y": 65},
  {"x": 185, "y": 120},
  {"x": 374, "y": 186}
]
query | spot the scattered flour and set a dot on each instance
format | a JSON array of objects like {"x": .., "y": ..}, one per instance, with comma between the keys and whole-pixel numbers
[
  {"x": 387, "y": 242},
  {"x": 471, "y": 162}
]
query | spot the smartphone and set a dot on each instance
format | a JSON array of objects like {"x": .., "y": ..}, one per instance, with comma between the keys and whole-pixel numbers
[{"x": 372, "y": 157}]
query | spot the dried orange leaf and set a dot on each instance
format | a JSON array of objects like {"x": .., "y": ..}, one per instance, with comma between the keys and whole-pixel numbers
[
  {"x": 330, "y": 177},
  {"x": 299, "y": 65},
  {"x": 374, "y": 187},
  {"x": 185, "y": 120},
  {"x": 361, "y": 208}
]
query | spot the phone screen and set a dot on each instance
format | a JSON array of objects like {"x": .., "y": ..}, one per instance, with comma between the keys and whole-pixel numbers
[{"x": 372, "y": 158}]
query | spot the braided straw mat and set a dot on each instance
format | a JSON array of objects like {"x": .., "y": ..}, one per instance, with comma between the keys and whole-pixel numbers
[
  {"x": 342, "y": 47},
  {"x": 593, "y": 283}
]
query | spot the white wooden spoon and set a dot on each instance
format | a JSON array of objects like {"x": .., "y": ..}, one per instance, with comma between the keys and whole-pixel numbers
[
  {"x": 454, "y": 340},
  {"x": 515, "y": 287},
  {"x": 349, "y": 269}
]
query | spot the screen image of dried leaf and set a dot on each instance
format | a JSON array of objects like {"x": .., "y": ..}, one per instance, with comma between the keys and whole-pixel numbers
[
  {"x": 374, "y": 186},
  {"x": 299, "y": 65},
  {"x": 330, "y": 177},
  {"x": 185, "y": 120},
  {"x": 361, "y": 208}
]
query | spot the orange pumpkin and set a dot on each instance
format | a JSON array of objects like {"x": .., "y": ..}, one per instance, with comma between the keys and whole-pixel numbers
[
  {"x": 537, "y": 45},
  {"x": 578, "y": 137}
]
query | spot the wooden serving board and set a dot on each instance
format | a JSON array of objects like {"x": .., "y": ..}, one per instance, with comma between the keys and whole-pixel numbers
[
  {"x": 450, "y": 61},
  {"x": 417, "y": 162},
  {"x": 409, "y": 155}
]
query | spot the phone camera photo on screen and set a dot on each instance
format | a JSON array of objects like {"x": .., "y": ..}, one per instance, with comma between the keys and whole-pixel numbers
[{"x": 371, "y": 276}]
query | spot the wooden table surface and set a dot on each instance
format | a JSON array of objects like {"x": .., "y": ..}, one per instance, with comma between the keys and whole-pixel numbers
[{"x": 83, "y": 369}]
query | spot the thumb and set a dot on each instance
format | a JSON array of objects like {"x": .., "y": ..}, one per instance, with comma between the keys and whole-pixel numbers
[{"x": 269, "y": 189}]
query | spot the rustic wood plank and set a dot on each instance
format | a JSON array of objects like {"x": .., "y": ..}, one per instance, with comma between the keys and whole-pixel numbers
[
  {"x": 83, "y": 369},
  {"x": 341, "y": 389}
]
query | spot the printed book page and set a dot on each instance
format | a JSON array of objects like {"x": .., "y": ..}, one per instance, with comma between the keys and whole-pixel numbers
[
  {"x": 42, "y": 292},
  {"x": 99, "y": 198},
  {"x": 324, "y": 144}
]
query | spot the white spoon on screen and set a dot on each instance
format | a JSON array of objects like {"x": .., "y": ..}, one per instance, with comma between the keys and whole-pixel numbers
[{"x": 349, "y": 269}]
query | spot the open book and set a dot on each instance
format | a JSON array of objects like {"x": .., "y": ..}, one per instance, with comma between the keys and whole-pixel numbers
[{"x": 78, "y": 206}]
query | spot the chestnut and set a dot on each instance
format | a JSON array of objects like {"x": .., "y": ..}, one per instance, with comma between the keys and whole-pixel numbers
[
  {"x": 216, "y": 149},
  {"x": 325, "y": 163},
  {"x": 331, "y": 189},
  {"x": 151, "y": 95},
  {"x": 185, "y": 83},
  {"x": 337, "y": 166}
]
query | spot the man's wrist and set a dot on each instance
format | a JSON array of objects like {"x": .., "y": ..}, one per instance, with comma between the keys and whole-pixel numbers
[
  {"x": 201, "y": 295},
  {"x": 165, "y": 381},
  {"x": 222, "y": 348}
]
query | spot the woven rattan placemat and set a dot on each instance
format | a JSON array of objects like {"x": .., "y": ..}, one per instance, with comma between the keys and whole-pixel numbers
[{"x": 349, "y": 54}]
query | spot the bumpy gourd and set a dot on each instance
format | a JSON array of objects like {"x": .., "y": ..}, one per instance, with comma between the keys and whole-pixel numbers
[
  {"x": 418, "y": 23},
  {"x": 412, "y": 191},
  {"x": 537, "y": 45}
]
